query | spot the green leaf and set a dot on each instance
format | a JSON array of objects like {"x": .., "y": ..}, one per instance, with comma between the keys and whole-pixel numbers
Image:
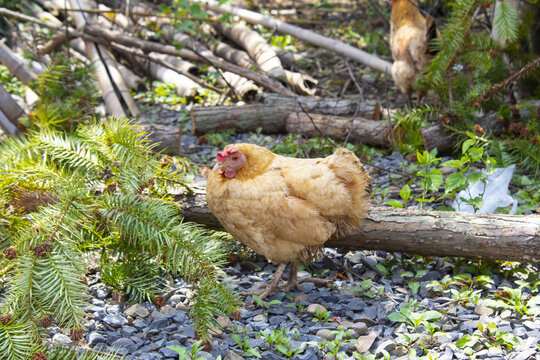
[
  {"x": 405, "y": 192},
  {"x": 183, "y": 354},
  {"x": 466, "y": 341},
  {"x": 414, "y": 286},
  {"x": 421, "y": 157},
  {"x": 435, "y": 179},
  {"x": 366, "y": 284},
  {"x": 397, "y": 317},
  {"x": 431, "y": 315},
  {"x": 466, "y": 145},
  {"x": 475, "y": 176},
  {"x": 453, "y": 163},
  {"x": 238, "y": 340},
  {"x": 394, "y": 204},
  {"x": 253, "y": 352},
  {"x": 455, "y": 181}
]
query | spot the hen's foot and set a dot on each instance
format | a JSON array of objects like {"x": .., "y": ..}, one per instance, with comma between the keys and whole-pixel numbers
[{"x": 271, "y": 288}]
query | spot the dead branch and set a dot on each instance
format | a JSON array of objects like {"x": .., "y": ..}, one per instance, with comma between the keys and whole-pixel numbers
[{"x": 281, "y": 27}]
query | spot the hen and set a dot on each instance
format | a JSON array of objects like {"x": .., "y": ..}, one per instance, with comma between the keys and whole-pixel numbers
[
  {"x": 286, "y": 208},
  {"x": 410, "y": 36}
]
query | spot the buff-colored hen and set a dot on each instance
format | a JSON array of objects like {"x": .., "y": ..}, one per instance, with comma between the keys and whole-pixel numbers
[
  {"x": 286, "y": 208},
  {"x": 410, "y": 36}
]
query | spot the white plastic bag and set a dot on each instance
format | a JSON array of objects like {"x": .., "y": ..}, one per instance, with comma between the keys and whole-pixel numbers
[{"x": 495, "y": 194}]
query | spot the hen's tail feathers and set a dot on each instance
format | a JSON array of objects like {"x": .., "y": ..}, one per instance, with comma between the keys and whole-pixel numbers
[{"x": 349, "y": 169}]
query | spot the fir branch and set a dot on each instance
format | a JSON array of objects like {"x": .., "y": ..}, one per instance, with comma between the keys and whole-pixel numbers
[
  {"x": 503, "y": 84},
  {"x": 16, "y": 341}
]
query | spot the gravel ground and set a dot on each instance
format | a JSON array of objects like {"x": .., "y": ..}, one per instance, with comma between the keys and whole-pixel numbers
[
  {"x": 368, "y": 287},
  {"x": 141, "y": 331}
]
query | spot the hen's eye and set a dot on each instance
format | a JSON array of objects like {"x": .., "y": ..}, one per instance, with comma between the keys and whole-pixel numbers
[{"x": 235, "y": 158}]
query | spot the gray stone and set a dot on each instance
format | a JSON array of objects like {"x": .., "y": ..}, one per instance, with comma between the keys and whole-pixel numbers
[
  {"x": 387, "y": 345},
  {"x": 531, "y": 325},
  {"x": 95, "y": 338},
  {"x": 61, "y": 339},
  {"x": 180, "y": 317},
  {"x": 139, "y": 324},
  {"x": 231, "y": 355},
  {"x": 168, "y": 352},
  {"x": 115, "y": 320},
  {"x": 136, "y": 310},
  {"x": 127, "y": 331},
  {"x": 276, "y": 320},
  {"x": 123, "y": 342},
  {"x": 469, "y": 325},
  {"x": 159, "y": 323},
  {"x": 189, "y": 331},
  {"x": 103, "y": 293},
  {"x": 326, "y": 334},
  {"x": 175, "y": 299}
]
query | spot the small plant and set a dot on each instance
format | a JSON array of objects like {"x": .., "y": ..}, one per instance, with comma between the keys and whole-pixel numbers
[
  {"x": 473, "y": 151},
  {"x": 367, "y": 289},
  {"x": 487, "y": 336},
  {"x": 514, "y": 299},
  {"x": 192, "y": 354},
  {"x": 413, "y": 319},
  {"x": 243, "y": 344},
  {"x": 286, "y": 349},
  {"x": 332, "y": 347},
  {"x": 321, "y": 316},
  {"x": 275, "y": 337},
  {"x": 265, "y": 304}
]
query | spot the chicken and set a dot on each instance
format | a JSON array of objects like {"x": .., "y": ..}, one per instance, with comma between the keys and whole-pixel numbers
[
  {"x": 286, "y": 208},
  {"x": 410, "y": 36}
]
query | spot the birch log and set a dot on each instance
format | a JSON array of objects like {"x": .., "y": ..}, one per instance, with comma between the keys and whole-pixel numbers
[
  {"x": 110, "y": 80},
  {"x": 257, "y": 47},
  {"x": 281, "y": 27},
  {"x": 6, "y": 125},
  {"x": 15, "y": 65},
  {"x": 11, "y": 110},
  {"x": 428, "y": 233}
]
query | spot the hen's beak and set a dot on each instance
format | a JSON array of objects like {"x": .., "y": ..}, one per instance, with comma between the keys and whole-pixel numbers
[{"x": 218, "y": 167}]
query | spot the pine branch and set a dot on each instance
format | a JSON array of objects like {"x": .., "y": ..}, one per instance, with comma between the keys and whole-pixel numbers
[{"x": 503, "y": 84}]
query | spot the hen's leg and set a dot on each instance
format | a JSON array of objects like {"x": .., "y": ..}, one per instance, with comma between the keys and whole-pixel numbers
[
  {"x": 271, "y": 288},
  {"x": 293, "y": 283}
]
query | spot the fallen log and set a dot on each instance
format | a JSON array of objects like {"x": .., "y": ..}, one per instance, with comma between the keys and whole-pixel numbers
[
  {"x": 371, "y": 132},
  {"x": 328, "y": 106},
  {"x": 422, "y": 232},
  {"x": 244, "y": 118},
  {"x": 166, "y": 138}
]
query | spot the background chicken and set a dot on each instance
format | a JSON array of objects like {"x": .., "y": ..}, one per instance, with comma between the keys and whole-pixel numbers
[
  {"x": 286, "y": 208},
  {"x": 410, "y": 37}
]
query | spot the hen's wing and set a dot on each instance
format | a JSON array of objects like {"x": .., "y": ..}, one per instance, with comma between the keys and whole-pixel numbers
[{"x": 262, "y": 214}]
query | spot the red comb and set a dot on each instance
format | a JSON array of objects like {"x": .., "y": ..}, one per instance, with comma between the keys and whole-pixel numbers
[{"x": 223, "y": 154}]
